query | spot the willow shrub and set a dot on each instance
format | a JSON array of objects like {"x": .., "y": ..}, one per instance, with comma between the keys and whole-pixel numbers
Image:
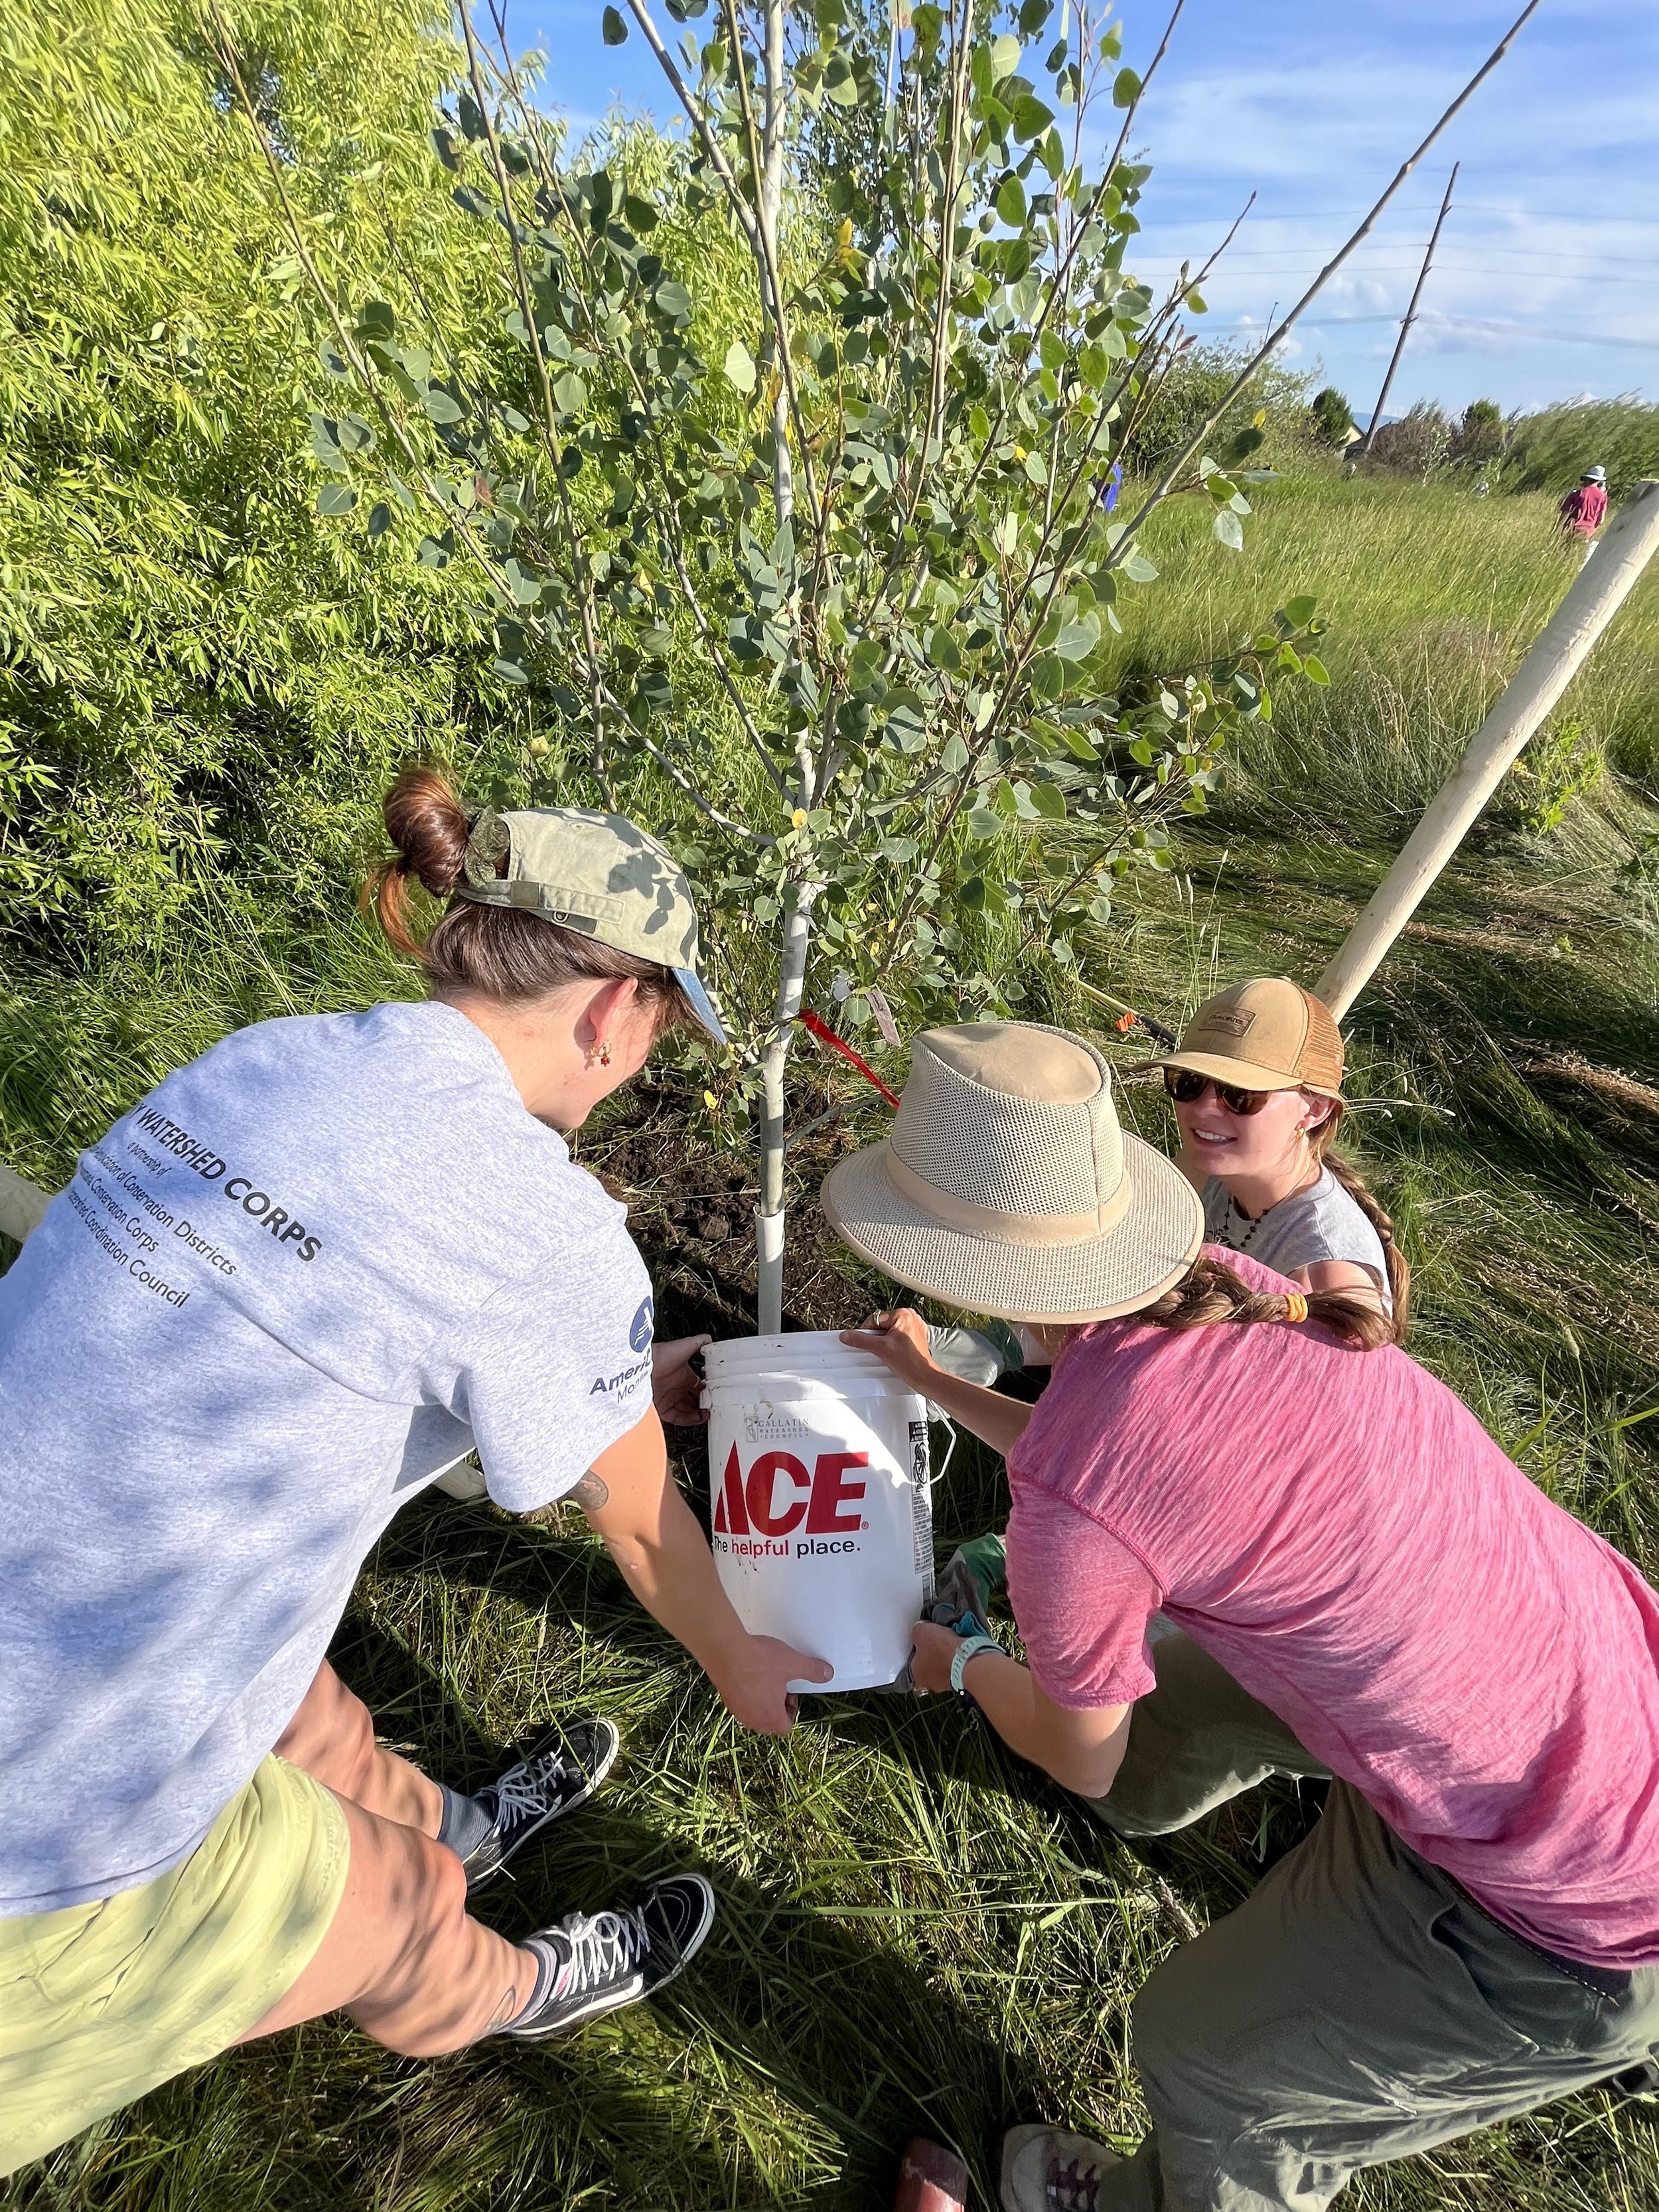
[{"x": 202, "y": 686}]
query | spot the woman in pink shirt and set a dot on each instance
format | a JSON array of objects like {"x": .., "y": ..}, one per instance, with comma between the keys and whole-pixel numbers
[
  {"x": 1584, "y": 509},
  {"x": 1364, "y": 1586}
]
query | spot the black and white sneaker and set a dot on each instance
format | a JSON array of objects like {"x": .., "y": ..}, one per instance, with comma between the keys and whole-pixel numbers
[
  {"x": 593, "y": 1963},
  {"x": 563, "y": 1771}
]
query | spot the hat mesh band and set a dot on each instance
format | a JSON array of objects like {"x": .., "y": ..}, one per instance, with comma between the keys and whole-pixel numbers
[
  {"x": 1035, "y": 1229},
  {"x": 1018, "y": 1156}
]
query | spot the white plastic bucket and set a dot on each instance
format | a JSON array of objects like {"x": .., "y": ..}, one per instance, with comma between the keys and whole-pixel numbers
[{"x": 821, "y": 1514}]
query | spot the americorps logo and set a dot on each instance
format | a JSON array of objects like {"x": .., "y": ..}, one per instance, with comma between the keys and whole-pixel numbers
[{"x": 639, "y": 1333}]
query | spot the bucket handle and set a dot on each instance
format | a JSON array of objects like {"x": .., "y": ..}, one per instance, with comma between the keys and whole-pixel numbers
[{"x": 939, "y": 1415}]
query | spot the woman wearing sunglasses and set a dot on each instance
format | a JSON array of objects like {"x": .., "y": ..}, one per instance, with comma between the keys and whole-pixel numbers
[
  {"x": 1257, "y": 1085},
  {"x": 1472, "y": 1929}
]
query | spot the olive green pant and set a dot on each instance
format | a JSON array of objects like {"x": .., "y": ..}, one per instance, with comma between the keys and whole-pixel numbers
[{"x": 1357, "y": 2006}]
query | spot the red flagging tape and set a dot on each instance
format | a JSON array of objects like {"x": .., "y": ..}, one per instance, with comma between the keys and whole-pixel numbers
[{"x": 823, "y": 1030}]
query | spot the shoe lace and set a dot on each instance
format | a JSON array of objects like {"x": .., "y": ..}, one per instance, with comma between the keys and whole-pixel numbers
[
  {"x": 522, "y": 1791},
  {"x": 602, "y": 1947},
  {"x": 1073, "y": 2188}
]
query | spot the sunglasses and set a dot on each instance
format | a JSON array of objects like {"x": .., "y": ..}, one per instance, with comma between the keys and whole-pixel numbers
[{"x": 1186, "y": 1086}]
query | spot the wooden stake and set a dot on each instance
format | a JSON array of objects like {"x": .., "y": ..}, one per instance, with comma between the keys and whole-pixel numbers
[
  {"x": 1411, "y": 315},
  {"x": 1600, "y": 590}
]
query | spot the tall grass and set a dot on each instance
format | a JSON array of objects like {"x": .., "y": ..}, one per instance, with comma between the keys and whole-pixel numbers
[
  {"x": 1432, "y": 596},
  {"x": 916, "y": 1931}
]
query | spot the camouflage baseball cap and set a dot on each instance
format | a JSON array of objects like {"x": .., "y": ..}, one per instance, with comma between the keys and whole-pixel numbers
[{"x": 600, "y": 875}]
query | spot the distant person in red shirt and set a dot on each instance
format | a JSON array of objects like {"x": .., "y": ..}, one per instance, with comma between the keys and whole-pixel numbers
[{"x": 1583, "y": 511}]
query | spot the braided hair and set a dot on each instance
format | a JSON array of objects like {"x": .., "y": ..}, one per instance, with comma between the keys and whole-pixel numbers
[
  {"x": 1320, "y": 1142},
  {"x": 1211, "y": 1292}
]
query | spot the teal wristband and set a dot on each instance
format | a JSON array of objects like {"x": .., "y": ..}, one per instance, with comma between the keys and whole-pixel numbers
[{"x": 970, "y": 1648}]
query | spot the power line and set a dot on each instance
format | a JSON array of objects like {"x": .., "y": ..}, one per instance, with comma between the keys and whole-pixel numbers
[
  {"x": 1467, "y": 323},
  {"x": 1293, "y": 262}
]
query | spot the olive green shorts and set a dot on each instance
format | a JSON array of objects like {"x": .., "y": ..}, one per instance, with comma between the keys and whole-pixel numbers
[{"x": 101, "y": 2003}]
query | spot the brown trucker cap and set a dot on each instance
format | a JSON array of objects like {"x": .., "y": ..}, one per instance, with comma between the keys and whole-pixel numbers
[{"x": 1266, "y": 1034}]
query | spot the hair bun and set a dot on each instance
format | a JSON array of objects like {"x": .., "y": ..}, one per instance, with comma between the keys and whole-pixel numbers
[{"x": 427, "y": 823}]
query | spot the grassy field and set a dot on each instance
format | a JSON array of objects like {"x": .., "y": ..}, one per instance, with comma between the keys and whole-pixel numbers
[{"x": 916, "y": 1931}]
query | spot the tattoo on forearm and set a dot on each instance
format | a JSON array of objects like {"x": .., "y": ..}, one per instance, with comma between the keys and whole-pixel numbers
[{"x": 591, "y": 1492}]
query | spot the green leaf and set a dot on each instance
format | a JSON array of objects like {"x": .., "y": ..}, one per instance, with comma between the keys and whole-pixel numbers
[
  {"x": 376, "y": 320},
  {"x": 1005, "y": 56},
  {"x": 440, "y": 406},
  {"x": 612, "y": 29},
  {"x": 1077, "y": 639},
  {"x": 1048, "y": 676},
  {"x": 1314, "y": 670},
  {"x": 1243, "y": 445},
  {"x": 1126, "y": 89},
  {"x": 673, "y": 301},
  {"x": 1011, "y": 203},
  {"x": 640, "y": 215},
  {"x": 1138, "y": 569},
  {"x": 1048, "y": 801},
  {"x": 380, "y": 519},
  {"x": 507, "y": 671},
  {"x": 1229, "y": 529},
  {"x": 336, "y": 499},
  {"x": 569, "y": 392},
  {"x": 839, "y": 83},
  {"x": 739, "y": 366},
  {"x": 1094, "y": 366},
  {"x": 1052, "y": 350},
  {"x": 1031, "y": 118},
  {"x": 943, "y": 651},
  {"x": 954, "y": 756},
  {"x": 982, "y": 823},
  {"x": 1299, "y": 611}
]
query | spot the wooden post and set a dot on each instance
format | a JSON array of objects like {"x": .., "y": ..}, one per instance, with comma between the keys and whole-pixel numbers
[
  {"x": 1564, "y": 645},
  {"x": 1411, "y": 316}
]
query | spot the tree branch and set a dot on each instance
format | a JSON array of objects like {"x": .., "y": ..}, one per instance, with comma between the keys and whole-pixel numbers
[{"x": 1172, "y": 474}]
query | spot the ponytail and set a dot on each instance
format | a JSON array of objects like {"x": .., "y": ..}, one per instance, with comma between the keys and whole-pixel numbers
[
  {"x": 427, "y": 823},
  {"x": 1320, "y": 1141},
  {"x": 1211, "y": 1292}
]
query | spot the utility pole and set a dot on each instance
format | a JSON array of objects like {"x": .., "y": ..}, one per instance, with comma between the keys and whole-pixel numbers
[{"x": 1411, "y": 317}]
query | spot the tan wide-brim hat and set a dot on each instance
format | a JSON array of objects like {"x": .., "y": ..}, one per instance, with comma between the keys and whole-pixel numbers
[
  {"x": 1008, "y": 1188},
  {"x": 1266, "y": 1034}
]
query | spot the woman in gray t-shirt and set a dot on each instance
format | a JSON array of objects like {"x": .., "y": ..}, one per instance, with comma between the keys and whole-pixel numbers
[{"x": 1257, "y": 1085}]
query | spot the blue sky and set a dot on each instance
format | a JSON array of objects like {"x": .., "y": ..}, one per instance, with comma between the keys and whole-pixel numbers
[{"x": 1544, "y": 287}]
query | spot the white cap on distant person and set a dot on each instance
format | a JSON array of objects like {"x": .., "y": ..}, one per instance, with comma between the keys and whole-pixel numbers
[{"x": 1596, "y": 474}]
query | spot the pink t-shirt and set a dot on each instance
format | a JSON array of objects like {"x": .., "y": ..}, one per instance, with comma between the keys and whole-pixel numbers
[{"x": 1339, "y": 1531}]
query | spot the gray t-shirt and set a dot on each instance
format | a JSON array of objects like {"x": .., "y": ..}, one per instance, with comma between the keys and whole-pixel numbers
[
  {"x": 1320, "y": 1222},
  {"x": 307, "y": 1273}
]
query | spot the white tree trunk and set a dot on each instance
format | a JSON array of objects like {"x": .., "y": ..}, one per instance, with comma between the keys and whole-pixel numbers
[{"x": 769, "y": 1214}]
